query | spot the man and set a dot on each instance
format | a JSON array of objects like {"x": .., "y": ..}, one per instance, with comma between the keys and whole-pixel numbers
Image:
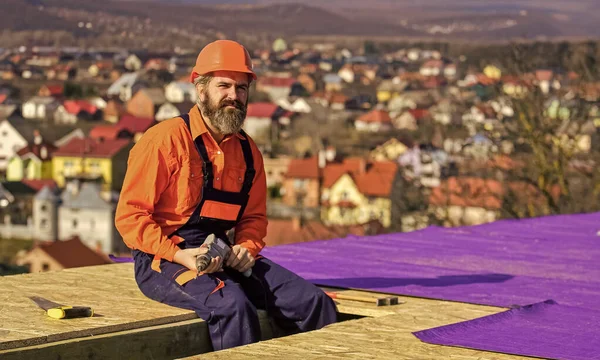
[{"x": 200, "y": 174}]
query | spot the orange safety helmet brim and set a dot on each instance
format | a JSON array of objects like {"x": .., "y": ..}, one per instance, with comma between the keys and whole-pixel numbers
[{"x": 223, "y": 55}]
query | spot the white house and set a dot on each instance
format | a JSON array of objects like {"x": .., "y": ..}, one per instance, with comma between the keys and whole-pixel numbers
[
  {"x": 406, "y": 121},
  {"x": 259, "y": 120},
  {"x": 45, "y": 214},
  {"x": 299, "y": 105},
  {"x": 450, "y": 71},
  {"x": 414, "y": 54},
  {"x": 39, "y": 107},
  {"x": 479, "y": 147},
  {"x": 85, "y": 214},
  {"x": 123, "y": 87},
  {"x": 432, "y": 68},
  {"x": 98, "y": 102},
  {"x": 346, "y": 73},
  {"x": 11, "y": 141},
  {"x": 166, "y": 111},
  {"x": 133, "y": 63},
  {"x": 374, "y": 121},
  {"x": 179, "y": 91},
  {"x": 62, "y": 116},
  {"x": 169, "y": 110},
  {"x": 333, "y": 82}
]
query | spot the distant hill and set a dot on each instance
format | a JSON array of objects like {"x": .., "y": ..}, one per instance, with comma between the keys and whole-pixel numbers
[
  {"x": 291, "y": 19},
  {"x": 534, "y": 18},
  {"x": 191, "y": 19}
]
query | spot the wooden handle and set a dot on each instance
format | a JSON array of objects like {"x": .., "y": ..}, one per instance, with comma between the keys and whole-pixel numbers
[
  {"x": 69, "y": 312},
  {"x": 376, "y": 301}
]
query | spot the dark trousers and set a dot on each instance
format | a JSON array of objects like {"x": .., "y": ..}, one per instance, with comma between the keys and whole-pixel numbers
[{"x": 230, "y": 312}]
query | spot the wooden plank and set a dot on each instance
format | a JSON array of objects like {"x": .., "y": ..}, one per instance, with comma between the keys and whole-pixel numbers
[
  {"x": 143, "y": 328},
  {"x": 181, "y": 339},
  {"x": 387, "y": 336},
  {"x": 109, "y": 289}
]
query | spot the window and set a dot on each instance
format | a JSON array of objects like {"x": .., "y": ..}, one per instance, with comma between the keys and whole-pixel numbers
[
  {"x": 4, "y": 133},
  {"x": 45, "y": 267},
  {"x": 44, "y": 223},
  {"x": 344, "y": 195},
  {"x": 74, "y": 223},
  {"x": 44, "y": 208},
  {"x": 298, "y": 183},
  {"x": 92, "y": 224}
]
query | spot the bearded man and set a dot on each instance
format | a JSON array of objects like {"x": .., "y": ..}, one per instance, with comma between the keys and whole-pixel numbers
[{"x": 201, "y": 174}]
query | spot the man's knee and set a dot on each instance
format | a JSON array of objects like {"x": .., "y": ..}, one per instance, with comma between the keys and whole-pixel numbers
[{"x": 326, "y": 306}]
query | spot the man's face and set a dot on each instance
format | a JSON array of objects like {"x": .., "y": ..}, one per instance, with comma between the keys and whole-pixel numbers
[{"x": 224, "y": 100}]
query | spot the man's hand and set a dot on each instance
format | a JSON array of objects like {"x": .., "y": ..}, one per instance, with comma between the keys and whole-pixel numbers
[
  {"x": 240, "y": 259},
  {"x": 187, "y": 258}
]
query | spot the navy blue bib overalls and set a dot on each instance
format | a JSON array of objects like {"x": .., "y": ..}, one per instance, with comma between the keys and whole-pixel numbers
[{"x": 227, "y": 300}]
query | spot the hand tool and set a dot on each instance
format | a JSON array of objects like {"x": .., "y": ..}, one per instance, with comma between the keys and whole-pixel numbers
[
  {"x": 58, "y": 311},
  {"x": 216, "y": 247}
]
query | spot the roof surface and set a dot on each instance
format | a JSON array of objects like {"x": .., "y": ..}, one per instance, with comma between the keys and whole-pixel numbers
[
  {"x": 73, "y": 253},
  {"x": 502, "y": 263},
  {"x": 92, "y": 148}
]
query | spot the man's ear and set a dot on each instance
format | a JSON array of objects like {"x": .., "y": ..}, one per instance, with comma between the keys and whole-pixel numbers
[{"x": 200, "y": 92}]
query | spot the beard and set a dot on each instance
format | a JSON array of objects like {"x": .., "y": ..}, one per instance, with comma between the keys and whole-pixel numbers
[{"x": 225, "y": 120}]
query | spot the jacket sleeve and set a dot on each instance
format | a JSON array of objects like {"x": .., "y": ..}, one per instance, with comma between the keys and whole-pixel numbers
[
  {"x": 147, "y": 176},
  {"x": 252, "y": 228}
]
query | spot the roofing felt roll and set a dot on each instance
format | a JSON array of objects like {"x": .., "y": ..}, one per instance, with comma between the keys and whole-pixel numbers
[{"x": 545, "y": 329}]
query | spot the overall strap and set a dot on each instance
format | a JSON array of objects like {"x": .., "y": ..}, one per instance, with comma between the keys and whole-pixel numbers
[
  {"x": 207, "y": 168},
  {"x": 249, "y": 159}
]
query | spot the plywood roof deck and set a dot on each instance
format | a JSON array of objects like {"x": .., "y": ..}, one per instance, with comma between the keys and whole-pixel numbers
[{"x": 129, "y": 325}]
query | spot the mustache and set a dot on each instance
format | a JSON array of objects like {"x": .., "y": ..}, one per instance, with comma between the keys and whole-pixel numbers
[{"x": 237, "y": 104}]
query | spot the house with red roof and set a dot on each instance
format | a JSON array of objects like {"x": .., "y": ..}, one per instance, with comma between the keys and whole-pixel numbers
[
  {"x": 356, "y": 191},
  {"x": 114, "y": 110},
  {"x": 432, "y": 67},
  {"x": 265, "y": 122},
  {"x": 301, "y": 184},
  {"x": 410, "y": 119},
  {"x": 73, "y": 110},
  {"x": 374, "y": 121},
  {"x": 157, "y": 64},
  {"x": 110, "y": 132},
  {"x": 277, "y": 87},
  {"x": 136, "y": 125},
  {"x": 335, "y": 100},
  {"x": 296, "y": 230},
  {"x": 59, "y": 255},
  {"x": 40, "y": 107},
  {"x": 471, "y": 200},
  {"x": 146, "y": 102},
  {"x": 103, "y": 160},
  {"x": 33, "y": 162},
  {"x": 53, "y": 90}
]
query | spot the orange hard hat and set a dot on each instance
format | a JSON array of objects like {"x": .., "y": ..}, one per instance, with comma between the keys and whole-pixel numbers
[{"x": 224, "y": 55}]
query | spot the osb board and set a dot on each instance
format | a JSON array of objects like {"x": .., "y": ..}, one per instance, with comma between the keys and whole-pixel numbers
[
  {"x": 109, "y": 289},
  {"x": 386, "y": 336}
]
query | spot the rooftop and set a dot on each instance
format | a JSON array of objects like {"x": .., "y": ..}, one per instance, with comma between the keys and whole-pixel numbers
[
  {"x": 441, "y": 276},
  {"x": 92, "y": 148}
]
